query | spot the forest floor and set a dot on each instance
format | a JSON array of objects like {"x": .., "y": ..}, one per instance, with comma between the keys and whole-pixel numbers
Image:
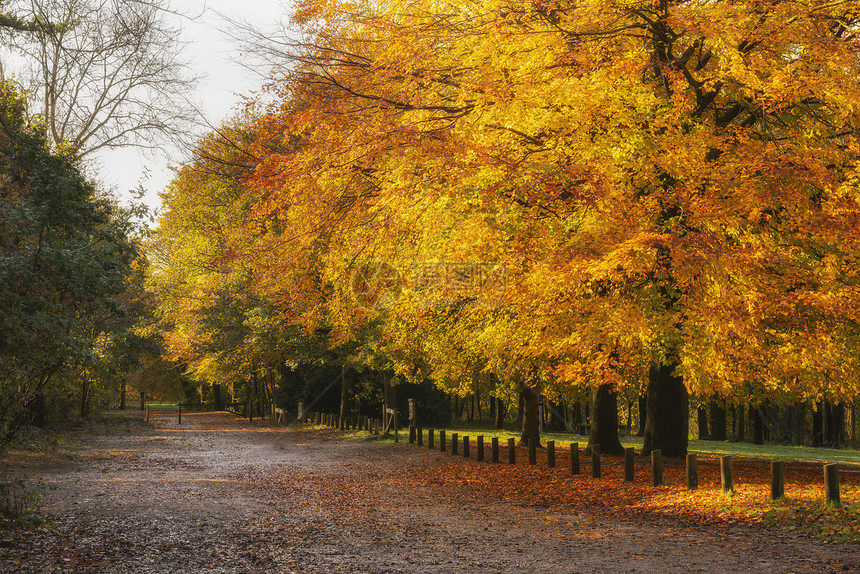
[{"x": 220, "y": 495}]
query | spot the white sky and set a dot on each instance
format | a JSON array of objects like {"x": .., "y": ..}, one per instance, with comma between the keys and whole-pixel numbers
[{"x": 219, "y": 94}]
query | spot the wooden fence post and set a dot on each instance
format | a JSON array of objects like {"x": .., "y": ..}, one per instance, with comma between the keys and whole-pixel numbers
[
  {"x": 431, "y": 438},
  {"x": 831, "y": 484},
  {"x": 550, "y": 453},
  {"x": 692, "y": 472},
  {"x": 494, "y": 446},
  {"x": 595, "y": 460},
  {"x": 455, "y": 443},
  {"x": 480, "y": 440},
  {"x": 532, "y": 451},
  {"x": 656, "y": 467},
  {"x": 777, "y": 479},
  {"x": 180, "y": 413},
  {"x": 726, "y": 479},
  {"x": 512, "y": 451},
  {"x": 465, "y": 447},
  {"x": 441, "y": 441},
  {"x": 629, "y": 454},
  {"x": 574, "y": 458},
  {"x": 420, "y": 432}
]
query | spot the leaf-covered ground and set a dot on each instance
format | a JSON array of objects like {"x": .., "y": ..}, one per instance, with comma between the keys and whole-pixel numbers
[{"x": 218, "y": 495}]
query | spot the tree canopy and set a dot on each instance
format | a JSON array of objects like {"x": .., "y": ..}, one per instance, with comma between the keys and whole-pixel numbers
[{"x": 573, "y": 194}]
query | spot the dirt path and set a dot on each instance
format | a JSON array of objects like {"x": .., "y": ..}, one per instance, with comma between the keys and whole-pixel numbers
[{"x": 217, "y": 495}]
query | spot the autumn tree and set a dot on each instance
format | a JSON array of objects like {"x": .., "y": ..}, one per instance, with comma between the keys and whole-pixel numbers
[{"x": 671, "y": 187}]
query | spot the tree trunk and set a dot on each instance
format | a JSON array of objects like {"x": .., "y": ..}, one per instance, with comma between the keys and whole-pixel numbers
[
  {"x": 717, "y": 420},
  {"x": 741, "y": 430},
  {"x": 643, "y": 414},
  {"x": 347, "y": 395},
  {"x": 37, "y": 409},
  {"x": 702, "y": 419},
  {"x": 758, "y": 425},
  {"x": 219, "y": 402},
  {"x": 530, "y": 400},
  {"x": 521, "y": 413},
  {"x": 85, "y": 398},
  {"x": 836, "y": 418},
  {"x": 604, "y": 421},
  {"x": 500, "y": 413},
  {"x": 667, "y": 424},
  {"x": 122, "y": 395}
]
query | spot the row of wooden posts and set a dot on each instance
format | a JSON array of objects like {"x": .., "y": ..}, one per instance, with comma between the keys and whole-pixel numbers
[{"x": 416, "y": 436}]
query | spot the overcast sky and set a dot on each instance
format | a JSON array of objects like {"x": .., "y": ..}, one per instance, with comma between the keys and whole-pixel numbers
[{"x": 219, "y": 95}]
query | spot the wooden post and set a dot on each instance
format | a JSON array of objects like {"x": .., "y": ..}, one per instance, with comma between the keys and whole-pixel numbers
[
  {"x": 726, "y": 475},
  {"x": 142, "y": 401},
  {"x": 629, "y": 454},
  {"x": 532, "y": 451},
  {"x": 480, "y": 440},
  {"x": 494, "y": 446},
  {"x": 147, "y": 413},
  {"x": 455, "y": 443},
  {"x": 411, "y": 434},
  {"x": 431, "y": 438},
  {"x": 595, "y": 460},
  {"x": 396, "y": 434},
  {"x": 465, "y": 447},
  {"x": 420, "y": 437},
  {"x": 692, "y": 472},
  {"x": 656, "y": 467},
  {"x": 831, "y": 484},
  {"x": 550, "y": 453},
  {"x": 250, "y": 414},
  {"x": 512, "y": 451},
  {"x": 441, "y": 441},
  {"x": 180, "y": 413},
  {"x": 574, "y": 458},
  {"x": 777, "y": 479}
]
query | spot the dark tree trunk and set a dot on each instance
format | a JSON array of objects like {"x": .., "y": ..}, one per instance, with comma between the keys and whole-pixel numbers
[
  {"x": 798, "y": 415},
  {"x": 667, "y": 424},
  {"x": 530, "y": 400},
  {"x": 604, "y": 421},
  {"x": 219, "y": 400},
  {"x": 818, "y": 425},
  {"x": 85, "y": 398},
  {"x": 500, "y": 413},
  {"x": 37, "y": 410},
  {"x": 122, "y": 395},
  {"x": 493, "y": 407},
  {"x": 836, "y": 426},
  {"x": 347, "y": 395},
  {"x": 717, "y": 420},
  {"x": 521, "y": 413},
  {"x": 556, "y": 417},
  {"x": 741, "y": 423},
  {"x": 758, "y": 425},
  {"x": 643, "y": 415},
  {"x": 702, "y": 419}
]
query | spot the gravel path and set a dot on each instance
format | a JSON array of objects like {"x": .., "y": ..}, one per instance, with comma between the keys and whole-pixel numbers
[{"x": 217, "y": 495}]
